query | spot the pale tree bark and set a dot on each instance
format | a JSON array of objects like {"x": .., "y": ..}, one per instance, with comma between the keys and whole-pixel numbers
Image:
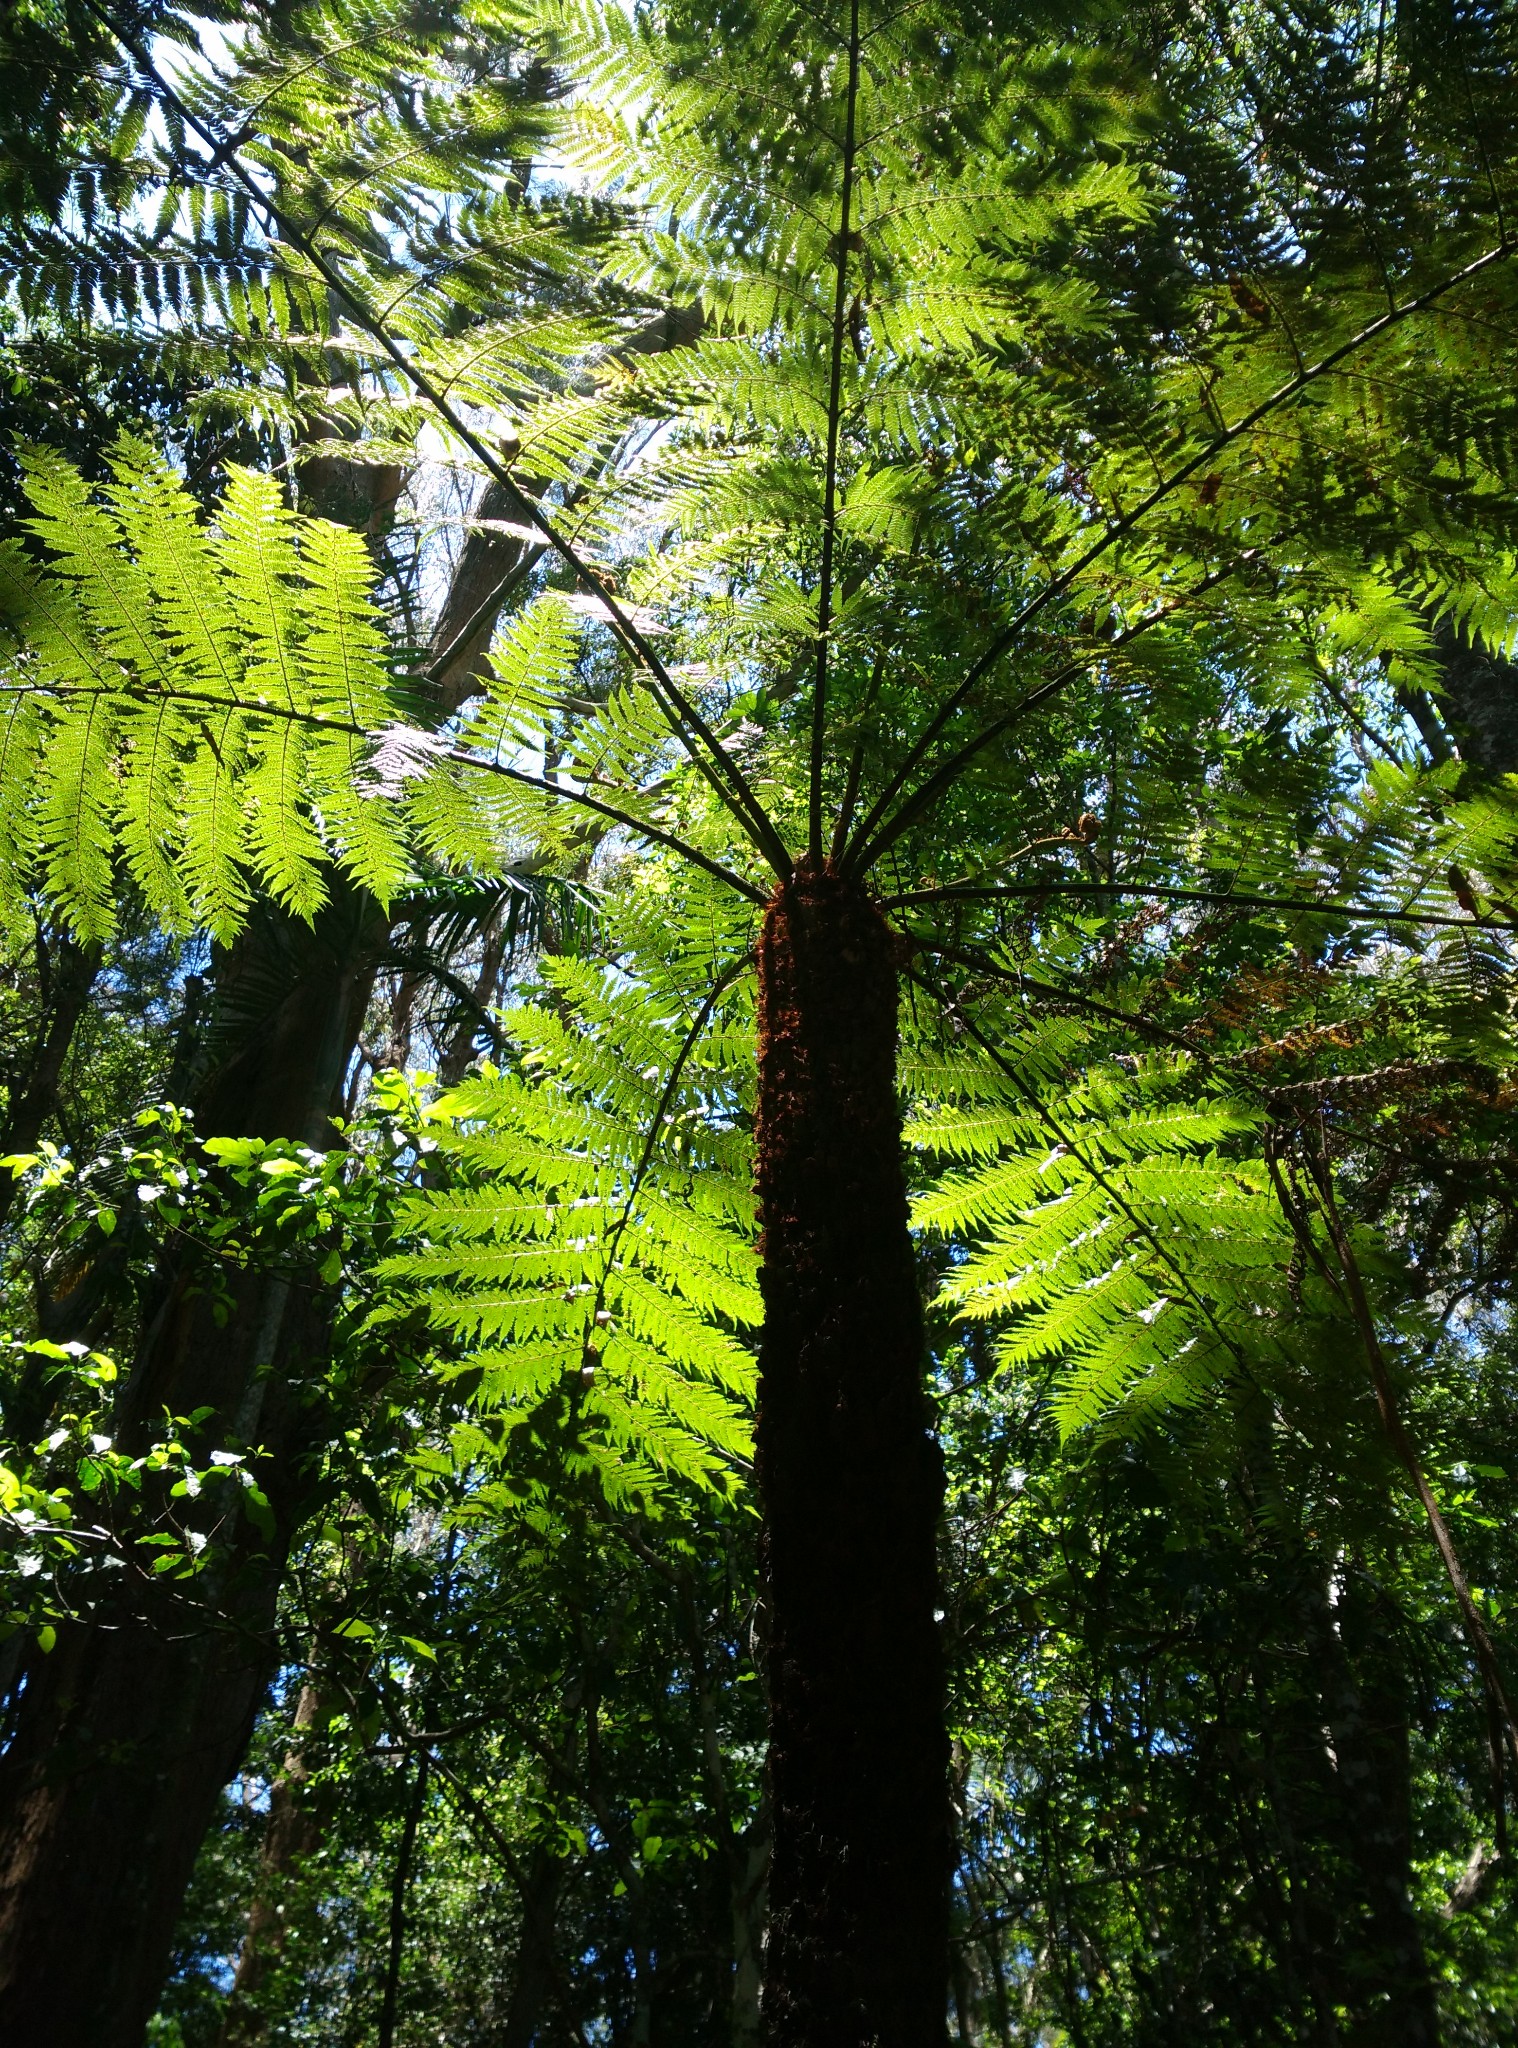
[
  {"x": 749, "y": 1867},
  {"x": 492, "y": 565}
]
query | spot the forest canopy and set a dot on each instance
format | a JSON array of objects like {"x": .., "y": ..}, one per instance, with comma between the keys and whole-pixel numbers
[{"x": 758, "y": 883}]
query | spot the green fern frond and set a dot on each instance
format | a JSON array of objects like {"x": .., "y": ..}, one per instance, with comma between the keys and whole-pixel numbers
[
  {"x": 200, "y": 700},
  {"x": 576, "y": 1224},
  {"x": 1117, "y": 1233}
]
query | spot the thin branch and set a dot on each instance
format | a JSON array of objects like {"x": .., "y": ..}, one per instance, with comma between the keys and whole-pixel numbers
[
  {"x": 327, "y": 54},
  {"x": 977, "y": 962},
  {"x": 619, "y": 817},
  {"x": 494, "y": 599},
  {"x": 1229, "y": 899},
  {"x": 1352, "y": 1292},
  {"x": 473, "y": 1810},
  {"x": 400, "y": 1884}
]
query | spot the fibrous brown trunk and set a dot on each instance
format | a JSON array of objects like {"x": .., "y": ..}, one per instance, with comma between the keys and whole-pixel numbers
[
  {"x": 125, "y": 1735},
  {"x": 851, "y": 1486}
]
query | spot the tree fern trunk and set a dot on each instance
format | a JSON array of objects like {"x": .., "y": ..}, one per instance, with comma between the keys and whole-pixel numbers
[
  {"x": 123, "y": 1737},
  {"x": 851, "y": 1486}
]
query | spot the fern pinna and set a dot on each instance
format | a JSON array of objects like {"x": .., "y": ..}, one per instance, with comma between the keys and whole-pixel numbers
[{"x": 1114, "y": 1227}]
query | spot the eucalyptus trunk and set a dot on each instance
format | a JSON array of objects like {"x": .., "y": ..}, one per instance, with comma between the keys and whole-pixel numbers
[
  {"x": 123, "y": 1737},
  {"x": 1389, "y": 1984},
  {"x": 851, "y": 1486}
]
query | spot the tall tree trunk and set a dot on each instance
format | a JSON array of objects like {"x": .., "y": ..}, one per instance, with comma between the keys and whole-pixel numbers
[
  {"x": 126, "y": 1734},
  {"x": 851, "y": 1485},
  {"x": 749, "y": 1872},
  {"x": 400, "y": 1885},
  {"x": 491, "y": 563},
  {"x": 532, "y": 1982}
]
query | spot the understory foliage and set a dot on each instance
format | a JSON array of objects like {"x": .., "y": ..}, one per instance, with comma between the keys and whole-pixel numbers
[{"x": 1059, "y": 467}]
